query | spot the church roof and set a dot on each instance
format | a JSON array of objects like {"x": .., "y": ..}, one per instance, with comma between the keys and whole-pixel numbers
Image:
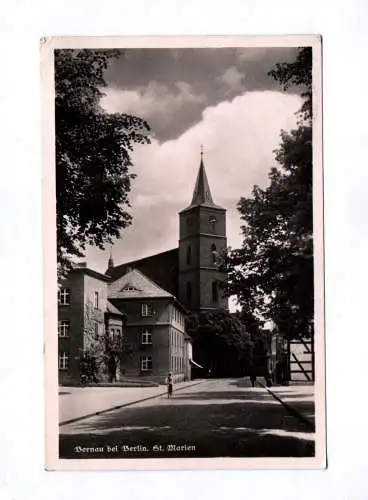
[
  {"x": 202, "y": 193},
  {"x": 134, "y": 284},
  {"x": 162, "y": 268}
]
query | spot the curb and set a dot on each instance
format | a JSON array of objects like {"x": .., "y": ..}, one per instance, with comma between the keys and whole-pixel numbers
[
  {"x": 100, "y": 412},
  {"x": 310, "y": 425}
]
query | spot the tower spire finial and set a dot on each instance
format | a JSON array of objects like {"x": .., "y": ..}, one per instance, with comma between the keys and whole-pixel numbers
[
  {"x": 111, "y": 260},
  {"x": 202, "y": 193}
]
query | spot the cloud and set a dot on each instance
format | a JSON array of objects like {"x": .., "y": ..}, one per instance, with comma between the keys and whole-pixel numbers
[
  {"x": 232, "y": 79},
  {"x": 153, "y": 99},
  {"x": 239, "y": 138},
  {"x": 146, "y": 81}
]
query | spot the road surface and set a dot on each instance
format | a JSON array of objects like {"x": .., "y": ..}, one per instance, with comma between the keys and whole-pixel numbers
[{"x": 216, "y": 418}]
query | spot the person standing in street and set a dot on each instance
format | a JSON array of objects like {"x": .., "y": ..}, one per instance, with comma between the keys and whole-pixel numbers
[
  {"x": 169, "y": 382},
  {"x": 253, "y": 377}
]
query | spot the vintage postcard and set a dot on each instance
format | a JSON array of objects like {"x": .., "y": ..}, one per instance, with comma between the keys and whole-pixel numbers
[{"x": 183, "y": 247}]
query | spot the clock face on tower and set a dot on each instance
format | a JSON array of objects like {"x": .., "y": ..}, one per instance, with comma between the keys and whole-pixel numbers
[{"x": 212, "y": 222}]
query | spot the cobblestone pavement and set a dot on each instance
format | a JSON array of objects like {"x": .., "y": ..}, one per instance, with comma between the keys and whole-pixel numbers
[{"x": 216, "y": 418}]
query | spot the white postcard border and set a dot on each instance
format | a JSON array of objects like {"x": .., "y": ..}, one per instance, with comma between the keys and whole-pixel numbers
[{"x": 47, "y": 46}]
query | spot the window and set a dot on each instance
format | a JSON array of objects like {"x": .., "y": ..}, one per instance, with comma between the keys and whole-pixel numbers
[
  {"x": 147, "y": 310},
  {"x": 95, "y": 300},
  {"x": 189, "y": 293},
  {"x": 96, "y": 328},
  {"x": 63, "y": 328},
  {"x": 189, "y": 255},
  {"x": 63, "y": 361},
  {"x": 214, "y": 292},
  {"x": 146, "y": 336},
  {"x": 146, "y": 363},
  {"x": 112, "y": 333},
  {"x": 64, "y": 296},
  {"x": 213, "y": 253}
]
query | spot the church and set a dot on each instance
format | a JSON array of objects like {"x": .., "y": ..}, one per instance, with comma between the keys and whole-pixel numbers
[
  {"x": 191, "y": 271},
  {"x": 146, "y": 300}
]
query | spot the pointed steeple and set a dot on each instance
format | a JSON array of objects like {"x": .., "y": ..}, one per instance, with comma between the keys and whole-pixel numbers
[
  {"x": 110, "y": 264},
  {"x": 202, "y": 193}
]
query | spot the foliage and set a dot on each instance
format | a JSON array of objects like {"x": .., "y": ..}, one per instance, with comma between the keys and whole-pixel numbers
[
  {"x": 298, "y": 74},
  {"x": 93, "y": 355},
  {"x": 219, "y": 337},
  {"x": 93, "y": 162},
  {"x": 272, "y": 273},
  {"x": 101, "y": 351}
]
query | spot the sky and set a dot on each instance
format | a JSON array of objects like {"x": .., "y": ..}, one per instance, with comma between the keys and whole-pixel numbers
[{"x": 222, "y": 99}]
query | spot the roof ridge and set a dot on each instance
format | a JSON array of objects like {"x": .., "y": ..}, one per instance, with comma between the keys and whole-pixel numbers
[
  {"x": 151, "y": 281},
  {"x": 132, "y": 262}
]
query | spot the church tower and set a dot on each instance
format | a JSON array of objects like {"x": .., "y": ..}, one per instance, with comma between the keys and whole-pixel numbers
[
  {"x": 202, "y": 238},
  {"x": 110, "y": 264}
]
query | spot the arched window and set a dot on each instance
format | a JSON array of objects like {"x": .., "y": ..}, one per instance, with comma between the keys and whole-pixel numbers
[
  {"x": 214, "y": 292},
  {"x": 213, "y": 253},
  {"x": 189, "y": 255},
  {"x": 189, "y": 293}
]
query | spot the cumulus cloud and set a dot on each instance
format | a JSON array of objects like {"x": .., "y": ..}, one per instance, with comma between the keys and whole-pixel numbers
[
  {"x": 239, "y": 138},
  {"x": 232, "y": 79},
  {"x": 150, "y": 100}
]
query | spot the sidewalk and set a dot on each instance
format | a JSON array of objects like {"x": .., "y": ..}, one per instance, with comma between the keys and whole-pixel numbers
[{"x": 76, "y": 403}]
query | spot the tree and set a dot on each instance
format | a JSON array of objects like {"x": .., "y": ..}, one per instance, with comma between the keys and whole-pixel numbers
[
  {"x": 93, "y": 355},
  {"x": 93, "y": 162},
  {"x": 220, "y": 341},
  {"x": 101, "y": 353},
  {"x": 272, "y": 273}
]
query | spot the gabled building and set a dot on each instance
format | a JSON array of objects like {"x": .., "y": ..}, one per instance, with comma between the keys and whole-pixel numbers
[
  {"x": 147, "y": 317},
  {"x": 154, "y": 328}
]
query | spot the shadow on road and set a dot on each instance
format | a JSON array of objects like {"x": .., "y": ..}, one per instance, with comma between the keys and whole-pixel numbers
[{"x": 211, "y": 395}]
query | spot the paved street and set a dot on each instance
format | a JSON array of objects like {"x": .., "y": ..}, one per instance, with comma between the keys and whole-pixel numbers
[
  {"x": 77, "y": 402},
  {"x": 213, "y": 418}
]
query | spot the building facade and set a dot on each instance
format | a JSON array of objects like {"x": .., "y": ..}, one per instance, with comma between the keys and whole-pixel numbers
[
  {"x": 84, "y": 316},
  {"x": 154, "y": 328},
  {"x": 94, "y": 312}
]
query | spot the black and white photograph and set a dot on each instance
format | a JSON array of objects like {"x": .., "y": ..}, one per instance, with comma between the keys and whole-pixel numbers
[{"x": 185, "y": 266}]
